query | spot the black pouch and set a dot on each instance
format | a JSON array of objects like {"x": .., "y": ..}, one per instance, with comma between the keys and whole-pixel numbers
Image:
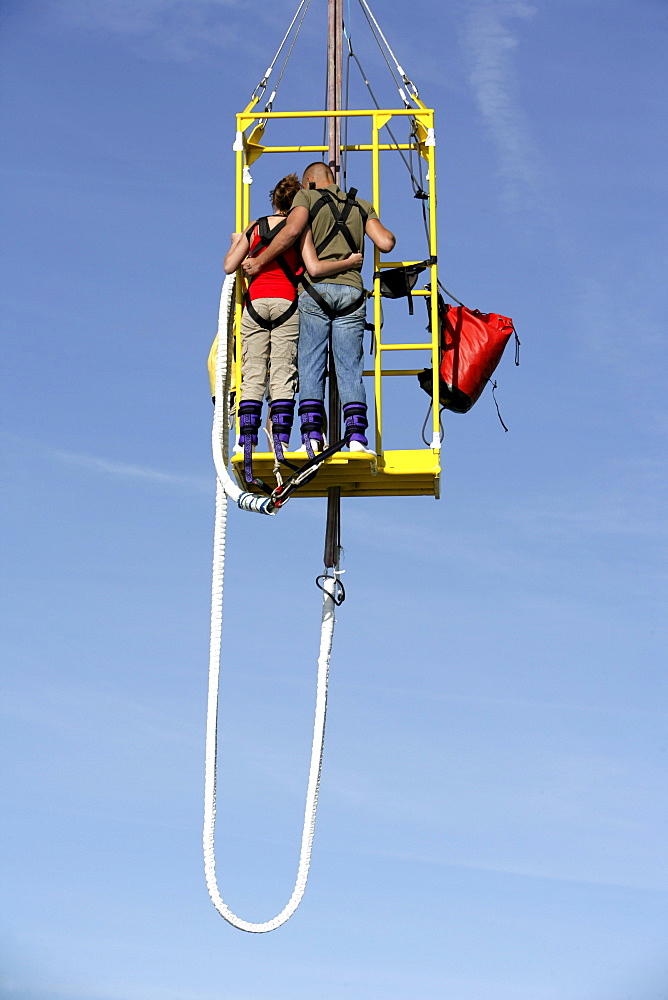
[{"x": 397, "y": 282}]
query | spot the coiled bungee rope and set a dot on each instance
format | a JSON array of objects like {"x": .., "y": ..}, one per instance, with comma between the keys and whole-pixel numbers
[{"x": 248, "y": 501}]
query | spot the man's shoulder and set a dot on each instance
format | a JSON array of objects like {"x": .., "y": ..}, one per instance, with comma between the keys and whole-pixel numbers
[
  {"x": 367, "y": 207},
  {"x": 362, "y": 202},
  {"x": 308, "y": 198},
  {"x": 305, "y": 199}
]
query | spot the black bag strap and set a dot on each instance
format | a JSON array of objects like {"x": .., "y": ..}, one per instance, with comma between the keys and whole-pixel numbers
[{"x": 397, "y": 282}]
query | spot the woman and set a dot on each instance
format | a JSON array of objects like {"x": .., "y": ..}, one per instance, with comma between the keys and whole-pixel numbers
[{"x": 270, "y": 319}]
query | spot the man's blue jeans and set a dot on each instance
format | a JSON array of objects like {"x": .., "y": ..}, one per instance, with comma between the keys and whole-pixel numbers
[{"x": 347, "y": 343}]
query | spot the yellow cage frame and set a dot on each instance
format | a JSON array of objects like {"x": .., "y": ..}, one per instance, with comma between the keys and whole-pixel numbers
[{"x": 414, "y": 472}]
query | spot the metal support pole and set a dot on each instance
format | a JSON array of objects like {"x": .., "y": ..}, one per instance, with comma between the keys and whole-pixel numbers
[
  {"x": 334, "y": 83},
  {"x": 334, "y": 78}
]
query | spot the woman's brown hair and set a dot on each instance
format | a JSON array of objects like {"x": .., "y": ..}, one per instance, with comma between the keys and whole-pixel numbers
[{"x": 283, "y": 194}]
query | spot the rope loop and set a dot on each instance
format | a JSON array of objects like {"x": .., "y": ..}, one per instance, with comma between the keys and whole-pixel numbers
[{"x": 337, "y": 592}]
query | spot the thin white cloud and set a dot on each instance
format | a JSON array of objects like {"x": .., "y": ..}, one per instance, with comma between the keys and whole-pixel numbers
[
  {"x": 611, "y": 512},
  {"x": 489, "y": 45},
  {"x": 452, "y": 860},
  {"x": 94, "y": 464},
  {"x": 76, "y": 711},
  {"x": 79, "y": 990},
  {"x": 580, "y": 815},
  {"x": 168, "y": 29},
  {"x": 28, "y": 448}
]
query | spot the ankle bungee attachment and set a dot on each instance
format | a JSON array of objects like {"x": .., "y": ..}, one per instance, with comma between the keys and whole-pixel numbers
[
  {"x": 355, "y": 417},
  {"x": 281, "y": 414},
  {"x": 312, "y": 416},
  {"x": 250, "y": 419}
]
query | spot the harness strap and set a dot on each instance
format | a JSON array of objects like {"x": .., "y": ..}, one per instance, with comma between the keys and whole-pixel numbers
[
  {"x": 265, "y": 237},
  {"x": 340, "y": 218},
  {"x": 328, "y": 310},
  {"x": 248, "y": 460},
  {"x": 269, "y": 324},
  {"x": 265, "y": 234},
  {"x": 250, "y": 420},
  {"x": 281, "y": 413}
]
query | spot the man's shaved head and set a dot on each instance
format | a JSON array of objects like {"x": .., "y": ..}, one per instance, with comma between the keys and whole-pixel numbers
[{"x": 319, "y": 173}]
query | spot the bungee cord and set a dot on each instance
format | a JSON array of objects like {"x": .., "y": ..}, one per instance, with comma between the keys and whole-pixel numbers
[{"x": 332, "y": 595}]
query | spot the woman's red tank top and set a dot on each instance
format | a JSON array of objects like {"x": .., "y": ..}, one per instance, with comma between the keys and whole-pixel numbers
[{"x": 272, "y": 282}]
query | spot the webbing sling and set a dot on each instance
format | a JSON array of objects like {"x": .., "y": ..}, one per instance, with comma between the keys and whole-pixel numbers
[
  {"x": 340, "y": 218},
  {"x": 326, "y": 199},
  {"x": 328, "y": 310},
  {"x": 266, "y": 235}
]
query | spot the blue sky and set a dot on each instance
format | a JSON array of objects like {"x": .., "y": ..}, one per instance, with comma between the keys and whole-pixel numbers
[{"x": 493, "y": 807}]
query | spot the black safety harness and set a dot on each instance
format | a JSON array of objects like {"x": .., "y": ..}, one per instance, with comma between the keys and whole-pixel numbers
[
  {"x": 266, "y": 235},
  {"x": 341, "y": 215}
]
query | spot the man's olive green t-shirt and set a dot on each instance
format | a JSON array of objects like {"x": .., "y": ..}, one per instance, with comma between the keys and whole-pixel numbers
[{"x": 323, "y": 224}]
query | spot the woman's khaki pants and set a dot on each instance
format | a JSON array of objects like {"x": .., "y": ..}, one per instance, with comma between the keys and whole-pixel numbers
[{"x": 272, "y": 352}]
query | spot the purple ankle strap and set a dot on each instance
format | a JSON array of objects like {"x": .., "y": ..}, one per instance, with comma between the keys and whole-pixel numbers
[
  {"x": 312, "y": 418},
  {"x": 355, "y": 416}
]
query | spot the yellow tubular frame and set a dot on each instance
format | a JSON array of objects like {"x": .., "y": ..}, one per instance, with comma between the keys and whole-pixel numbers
[{"x": 424, "y": 145}]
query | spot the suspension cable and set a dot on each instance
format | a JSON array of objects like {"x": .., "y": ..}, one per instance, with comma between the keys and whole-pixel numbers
[
  {"x": 270, "y": 102},
  {"x": 384, "y": 55},
  {"x": 262, "y": 85},
  {"x": 417, "y": 184},
  {"x": 377, "y": 31}
]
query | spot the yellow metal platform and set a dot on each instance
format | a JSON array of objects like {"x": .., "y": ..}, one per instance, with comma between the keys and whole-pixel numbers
[
  {"x": 404, "y": 473},
  {"x": 394, "y": 472}
]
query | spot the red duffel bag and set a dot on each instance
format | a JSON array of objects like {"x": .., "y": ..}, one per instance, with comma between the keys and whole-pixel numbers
[{"x": 471, "y": 348}]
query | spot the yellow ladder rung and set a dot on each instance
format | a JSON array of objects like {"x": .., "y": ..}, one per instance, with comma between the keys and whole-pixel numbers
[
  {"x": 369, "y": 113},
  {"x": 404, "y": 347},
  {"x": 360, "y": 148},
  {"x": 398, "y": 263},
  {"x": 395, "y": 371}
]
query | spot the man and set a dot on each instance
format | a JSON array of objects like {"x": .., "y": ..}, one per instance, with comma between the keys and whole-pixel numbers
[{"x": 338, "y": 223}]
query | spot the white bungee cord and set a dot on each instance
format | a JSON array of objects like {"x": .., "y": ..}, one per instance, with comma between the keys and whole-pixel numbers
[{"x": 226, "y": 487}]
